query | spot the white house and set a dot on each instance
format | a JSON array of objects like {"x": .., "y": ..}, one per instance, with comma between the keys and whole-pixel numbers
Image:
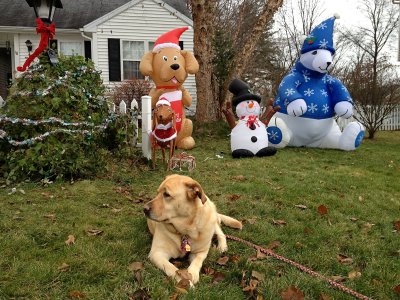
[{"x": 113, "y": 33}]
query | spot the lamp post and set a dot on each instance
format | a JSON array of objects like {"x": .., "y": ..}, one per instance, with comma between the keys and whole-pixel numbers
[
  {"x": 398, "y": 3},
  {"x": 28, "y": 44},
  {"x": 44, "y": 11}
]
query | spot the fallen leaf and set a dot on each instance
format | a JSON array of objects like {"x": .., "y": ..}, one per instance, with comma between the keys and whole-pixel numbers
[
  {"x": 136, "y": 266},
  {"x": 116, "y": 210},
  {"x": 261, "y": 255},
  {"x": 208, "y": 271},
  {"x": 239, "y": 178},
  {"x": 338, "y": 278},
  {"x": 63, "y": 268},
  {"x": 184, "y": 274},
  {"x": 307, "y": 231},
  {"x": 174, "y": 296},
  {"x": 343, "y": 259},
  {"x": 273, "y": 245},
  {"x": 360, "y": 198},
  {"x": 183, "y": 286},
  {"x": 233, "y": 197},
  {"x": 396, "y": 225},
  {"x": 353, "y": 219},
  {"x": 251, "y": 287},
  {"x": 257, "y": 275},
  {"x": 396, "y": 289},
  {"x": 251, "y": 221},
  {"x": 223, "y": 260},
  {"x": 94, "y": 232},
  {"x": 51, "y": 217},
  {"x": 218, "y": 277},
  {"x": 299, "y": 245},
  {"x": 292, "y": 293},
  {"x": 301, "y": 206},
  {"x": 140, "y": 294},
  {"x": 76, "y": 294},
  {"x": 323, "y": 296},
  {"x": 354, "y": 274},
  {"x": 70, "y": 240},
  {"x": 367, "y": 226},
  {"x": 322, "y": 210},
  {"x": 235, "y": 258},
  {"x": 278, "y": 222}
]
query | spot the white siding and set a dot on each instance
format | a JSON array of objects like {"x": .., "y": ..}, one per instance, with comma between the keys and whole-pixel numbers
[{"x": 145, "y": 21}]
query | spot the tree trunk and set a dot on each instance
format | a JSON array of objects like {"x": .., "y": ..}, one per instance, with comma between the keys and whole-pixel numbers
[
  {"x": 242, "y": 58},
  {"x": 203, "y": 12}
]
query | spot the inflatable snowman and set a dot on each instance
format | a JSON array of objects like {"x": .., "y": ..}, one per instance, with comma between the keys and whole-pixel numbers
[
  {"x": 310, "y": 99},
  {"x": 248, "y": 136}
]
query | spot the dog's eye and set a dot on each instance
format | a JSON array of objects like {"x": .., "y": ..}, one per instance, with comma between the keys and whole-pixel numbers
[
  {"x": 166, "y": 195},
  {"x": 314, "y": 53},
  {"x": 165, "y": 58},
  {"x": 175, "y": 57}
]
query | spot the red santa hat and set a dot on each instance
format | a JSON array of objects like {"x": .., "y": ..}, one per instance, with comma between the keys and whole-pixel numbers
[
  {"x": 163, "y": 101},
  {"x": 169, "y": 39}
]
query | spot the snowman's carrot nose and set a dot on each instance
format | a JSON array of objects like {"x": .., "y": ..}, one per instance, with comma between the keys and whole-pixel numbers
[{"x": 251, "y": 104}]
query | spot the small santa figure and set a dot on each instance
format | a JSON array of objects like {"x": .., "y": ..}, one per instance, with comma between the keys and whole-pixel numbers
[{"x": 249, "y": 135}]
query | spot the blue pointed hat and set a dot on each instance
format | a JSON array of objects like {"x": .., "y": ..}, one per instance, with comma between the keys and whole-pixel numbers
[{"x": 321, "y": 37}]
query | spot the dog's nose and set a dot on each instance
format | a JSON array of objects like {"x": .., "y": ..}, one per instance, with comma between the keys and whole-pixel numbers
[
  {"x": 174, "y": 66},
  {"x": 147, "y": 209}
]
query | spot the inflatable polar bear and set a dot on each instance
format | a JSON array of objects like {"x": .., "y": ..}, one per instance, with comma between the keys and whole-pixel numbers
[{"x": 310, "y": 99}]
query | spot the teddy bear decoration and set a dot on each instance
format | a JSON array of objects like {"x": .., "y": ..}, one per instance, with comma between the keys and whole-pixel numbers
[
  {"x": 169, "y": 66},
  {"x": 310, "y": 99}
]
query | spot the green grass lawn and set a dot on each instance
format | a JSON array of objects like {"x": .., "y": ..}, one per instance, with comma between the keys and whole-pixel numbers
[{"x": 361, "y": 191}]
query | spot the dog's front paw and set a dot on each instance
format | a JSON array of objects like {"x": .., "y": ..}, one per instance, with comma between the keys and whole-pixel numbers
[
  {"x": 222, "y": 247},
  {"x": 194, "y": 275}
]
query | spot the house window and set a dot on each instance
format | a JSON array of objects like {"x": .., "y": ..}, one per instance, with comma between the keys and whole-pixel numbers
[
  {"x": 71, "y": 48},
  {"x": 132, "y": 53}
]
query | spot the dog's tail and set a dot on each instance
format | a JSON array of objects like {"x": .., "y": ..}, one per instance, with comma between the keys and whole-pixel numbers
[{"x": 231, "y": 222}]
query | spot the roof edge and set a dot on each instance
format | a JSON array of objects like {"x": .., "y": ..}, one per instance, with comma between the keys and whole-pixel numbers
[
  {"x": 19, "y": 29},
  {"x": 92, "y": 26}
]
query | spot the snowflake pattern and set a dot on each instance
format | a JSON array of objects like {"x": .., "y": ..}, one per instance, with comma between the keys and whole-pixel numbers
[
  {"x": 322, "y": 26},
  {"x": 277, "y": 100},
  {"x": 289, "y": 92},
  {"x": 274, "y": 135},
  {"x": 323, "y": 44},
  {"x": 292, "y": 72},
  {"x": 324, "y": 79},
  {"x": 309, "y": 92},
  {"x": 325, "y": 108},
  {"x": 297, "y": 83},
  {"x": 312, "y": 107},
  {"x": 282, "y": 83},
  {"x": 324, "y": 93},
  {"x": 306, "y": 76},
  {"x": 286, "y": 102},
  {"x": 330, "y": 79}
]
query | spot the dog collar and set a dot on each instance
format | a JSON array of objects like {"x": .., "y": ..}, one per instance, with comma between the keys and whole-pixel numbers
[
  {"x": 166, "y": 87},
  {"x": 185, "y": 244}
]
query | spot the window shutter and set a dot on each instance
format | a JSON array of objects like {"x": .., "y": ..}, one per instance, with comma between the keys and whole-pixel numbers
[
  {"x": 181, "y": 44},
  {"x": 114, "y": 60},
  {"x": 88, "y": 50}
]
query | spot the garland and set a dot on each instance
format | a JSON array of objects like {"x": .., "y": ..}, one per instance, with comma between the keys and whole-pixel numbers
[{"x": 31, "y": 141}]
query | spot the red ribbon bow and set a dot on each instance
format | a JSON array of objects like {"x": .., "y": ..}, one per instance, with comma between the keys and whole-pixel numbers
[{"x": 47, "y": 32}]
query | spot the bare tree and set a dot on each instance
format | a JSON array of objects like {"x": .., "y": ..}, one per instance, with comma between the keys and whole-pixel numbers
[
  {"x": 372, "y": 70},
  {"x": 204, "y": 22}
]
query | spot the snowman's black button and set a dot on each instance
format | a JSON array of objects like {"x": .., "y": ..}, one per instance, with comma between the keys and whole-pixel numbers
[{"x": 254, "y": 139}]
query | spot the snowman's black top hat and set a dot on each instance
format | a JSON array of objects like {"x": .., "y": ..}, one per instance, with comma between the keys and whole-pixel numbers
[{"x": 241, "y": 92}]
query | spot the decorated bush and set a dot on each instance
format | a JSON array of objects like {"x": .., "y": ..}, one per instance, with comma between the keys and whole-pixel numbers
[{"x": 53, "y": 121}]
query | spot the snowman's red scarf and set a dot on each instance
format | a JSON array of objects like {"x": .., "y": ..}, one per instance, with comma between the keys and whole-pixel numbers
[{"x": 251, "y": 121}]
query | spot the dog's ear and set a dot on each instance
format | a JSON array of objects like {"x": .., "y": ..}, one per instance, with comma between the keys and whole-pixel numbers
[
  {"x": 192, "y": 66},
  {"x": 195, "y": 191},
  {"x": 146, "y": 64},
  {"x": 155, "y": 122}
]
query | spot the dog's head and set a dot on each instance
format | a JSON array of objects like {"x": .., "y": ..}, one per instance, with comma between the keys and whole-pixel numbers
[
  {"x": 178, "y": 198},
  {"x": 168, "y": 66},
  {"x": 163, "y": 114}
]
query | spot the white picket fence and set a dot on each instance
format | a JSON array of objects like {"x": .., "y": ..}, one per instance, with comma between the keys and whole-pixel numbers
[
  {"x": 392, "y": 122},
  {"x": 145, "y": 117}
]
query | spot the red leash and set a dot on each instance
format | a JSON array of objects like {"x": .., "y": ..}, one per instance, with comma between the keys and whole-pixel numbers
[{"x": 301, "y": 267}]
